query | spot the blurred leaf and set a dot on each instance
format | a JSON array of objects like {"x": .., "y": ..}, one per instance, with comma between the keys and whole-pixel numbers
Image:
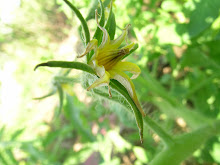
[
  {"x": 17, "y": 133},
  {"x": 121, "y": 144},
  {"x": 11, "y": 156},
  {"x": 171, "y": 6},
  {"x": 194, "y": 57},
  {"x": 114, "y": 161},
  {"x": 72, "y": 114},
  {"x": 2, "y": 130},
  {"x": 111, "y": 24},
  {"x": 214, "y": 51},
  {"x": 82, "y": 20},
  {"x": 141, "y": 154},
  {"x": 61, "y": 98},
  {"x": 34, "y": 154},
  {"x": 4, "y": 158},
  {"x": 216, "y": 152},
  {"x": 47, "y": 95},
  {"x": 79, "y": 156},
  {"x": 202, "y": 17},
  {"x": 171, "y": 34}
]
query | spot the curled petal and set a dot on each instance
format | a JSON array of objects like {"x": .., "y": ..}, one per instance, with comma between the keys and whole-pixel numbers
[
  {"x": 93, "y": 44},
  {"x": 117, "y": 42},
  {"x": 102, "y": 81},
  {"x": 128, "y": 84},
  {"x": 128, "y": 66},
  {"x": 100, "y": 70}
]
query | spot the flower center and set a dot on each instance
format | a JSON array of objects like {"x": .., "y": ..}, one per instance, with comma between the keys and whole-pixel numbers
[{"x": 109, "y": 58}]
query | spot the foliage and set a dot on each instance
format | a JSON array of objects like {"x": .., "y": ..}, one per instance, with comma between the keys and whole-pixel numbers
[{"x": 178, "y": 52}]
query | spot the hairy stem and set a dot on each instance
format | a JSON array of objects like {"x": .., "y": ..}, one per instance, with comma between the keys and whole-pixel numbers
[{"x": 165, "y": 137}]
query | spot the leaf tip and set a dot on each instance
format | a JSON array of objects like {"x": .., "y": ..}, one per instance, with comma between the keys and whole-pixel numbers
[{"x": 42, "y": 64}]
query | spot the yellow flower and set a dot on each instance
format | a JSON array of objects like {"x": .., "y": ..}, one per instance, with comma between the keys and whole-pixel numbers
[{"x": 107, "y": 63}]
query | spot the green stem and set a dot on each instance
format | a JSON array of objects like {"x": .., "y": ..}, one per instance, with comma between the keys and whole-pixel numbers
[
  {"x": 82, "y": 20},
  {"x": 165, "y": 137},
  {"x": 185, "y": 145}
]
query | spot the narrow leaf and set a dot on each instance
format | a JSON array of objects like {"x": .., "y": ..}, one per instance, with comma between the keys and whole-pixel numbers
[
  {"x": 111, "y": 24},
  {"x": 82, "y": 20}
]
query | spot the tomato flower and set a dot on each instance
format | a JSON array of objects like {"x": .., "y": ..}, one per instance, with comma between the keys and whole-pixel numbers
[{"x": 106, "y": 61}]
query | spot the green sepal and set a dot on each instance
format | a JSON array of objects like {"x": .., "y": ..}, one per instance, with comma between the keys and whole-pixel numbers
[
  {"x": 139, "y": 120},
  {"x": 67, "y": 64},
  {"x": 132, "y": 50}
]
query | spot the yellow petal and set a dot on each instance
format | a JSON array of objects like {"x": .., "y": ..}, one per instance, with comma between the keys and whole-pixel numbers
[
  {"x": 128, "y": 66},
  {"x": 100, "y": 70},
  {"x": 128, "y": 84},
  {"x": 117, "y": 42},
  {"x": 129, "y": 46},
  {"x": 93, "y": 44},
  {"x": 102, "y": 81}
]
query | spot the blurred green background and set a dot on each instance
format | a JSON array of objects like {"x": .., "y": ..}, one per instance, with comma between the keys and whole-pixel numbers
[{"x": 179, "y": 54}]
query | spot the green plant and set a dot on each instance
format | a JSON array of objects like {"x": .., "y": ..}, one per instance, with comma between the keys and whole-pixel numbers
[{"x": 202, "y": 127}]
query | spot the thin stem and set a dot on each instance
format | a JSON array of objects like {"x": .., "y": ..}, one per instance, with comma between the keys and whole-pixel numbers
[{"x": 166, "y": 138}]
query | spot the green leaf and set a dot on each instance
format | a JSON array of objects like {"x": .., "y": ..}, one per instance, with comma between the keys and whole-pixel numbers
[
  {"x": 214, "y": 51},
  {"x": 186, "y": 144},
  {"x": 115, "y": 96},
  {"x": 195, "y": 57},
  {"x": 72, "y": 114},
  {"x": 3, "y": 160},
  {"x": 93, "y": 7},
  {"x": 216, "y": 152},
  {"x": 171, "y": 34},
  {"x": 171, "y": 6},
  {"x": 82, "y": 20},
  {"x": 111, "y": 24},
  {"x": 2, "y": 131},
  {"x": 11, "y": 156},
  {"x": 98, "y": 32},
  {"x": 141, "y": 154},
  {"x": 65, "y": 80},
  {"x": 16, "y": 134},
  {"x": 202, "y": 17},
  {"x": 66, "y": 64}
]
